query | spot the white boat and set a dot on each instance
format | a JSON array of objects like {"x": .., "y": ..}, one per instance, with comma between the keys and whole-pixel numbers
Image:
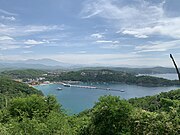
[
  {"x": 66, "y": 85},
  {"x": 59, "y": 88},
  {"x": 122, "y": 90}
]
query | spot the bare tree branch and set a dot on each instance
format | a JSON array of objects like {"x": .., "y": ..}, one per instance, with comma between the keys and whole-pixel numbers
[{"x": 177, "y": 70}]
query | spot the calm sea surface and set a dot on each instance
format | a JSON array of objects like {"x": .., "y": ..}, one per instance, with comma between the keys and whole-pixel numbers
[
  {"x": 166, "y": 76},
  {"x": 75, "y": 100}
]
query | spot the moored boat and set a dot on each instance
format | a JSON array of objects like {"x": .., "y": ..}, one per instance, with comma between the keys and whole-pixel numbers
[
  {"x": 59, "y": 88},
  {"x": 66, "y": 85}
]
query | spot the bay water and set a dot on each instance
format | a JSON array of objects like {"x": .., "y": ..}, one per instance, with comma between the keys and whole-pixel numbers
[
  {"x": 166, "y": 76},
  {"x": 75, "y": 100}
]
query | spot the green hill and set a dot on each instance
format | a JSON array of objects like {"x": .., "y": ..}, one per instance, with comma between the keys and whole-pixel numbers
[
  {"x": 24, "y": 74},
  {"x": 10, "y": 89},
  {"x": 103, "y": 75},
  {"x": 106, "y": 75},
  {"x": 152, "y": 70}
]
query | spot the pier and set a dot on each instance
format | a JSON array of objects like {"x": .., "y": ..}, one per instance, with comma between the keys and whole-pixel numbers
[{"x": 91, "y": 87}]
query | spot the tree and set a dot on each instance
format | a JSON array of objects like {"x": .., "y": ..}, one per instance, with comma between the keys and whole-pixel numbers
[
  {"x": 33, "y": 106},
  {"x": 110, "y": 116}
]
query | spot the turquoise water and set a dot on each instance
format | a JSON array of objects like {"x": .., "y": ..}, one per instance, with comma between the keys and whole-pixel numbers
[{"x": 75, "y": 100}]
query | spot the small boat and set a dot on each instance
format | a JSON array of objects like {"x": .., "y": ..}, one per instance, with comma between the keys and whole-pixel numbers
[
  {"x": 66, "y": 85},
  {"x": 122, "y": 90},
  {"x": 59, "y": 88}
]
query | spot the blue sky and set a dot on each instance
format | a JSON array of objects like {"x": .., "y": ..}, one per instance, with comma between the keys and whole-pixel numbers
[{"x": 104, "y": 32}]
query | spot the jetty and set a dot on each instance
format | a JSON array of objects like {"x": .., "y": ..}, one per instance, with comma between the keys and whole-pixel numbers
[{"x": 91, "y": 87}]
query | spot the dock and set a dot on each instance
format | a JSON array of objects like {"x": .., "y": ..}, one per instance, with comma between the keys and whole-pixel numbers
[{"x": 91, "y": 87}]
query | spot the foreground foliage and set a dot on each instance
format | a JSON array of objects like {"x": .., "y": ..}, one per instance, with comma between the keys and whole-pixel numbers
[
  {"x": 160, "y": 102},
  {"x": 34, "y": 115}
]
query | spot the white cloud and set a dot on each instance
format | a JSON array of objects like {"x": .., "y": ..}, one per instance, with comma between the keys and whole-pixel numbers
[
  {"x": 108, "y": 44},
  {"x": 97, "y": 35},
  {"x": 5, "y": 38},
  {"x": 92, "y": 14},
  {"x": 103, "y": 41},
  {"x": 27, "y": 52},
  {"x": 112, "y": 46},
  {"x": 8, "y": 18},
  {"x": 8, "y": 43},
  {"x": 24, "y": 30},
  {"x": 28, "y": 46},
  {"x": 115, "y": 42},
  {"x": 106, "y": 9},
  {"x": 134, "y": 33},
  {"x": 115, "y": 10},
  {"x": 42, "y": 28},
  {"x": 166, "y": 27},
  {"x": 8, "y": 47},
  {"x": 82, "y": 52},
  {"x": 140, "y": 19},
  {"x": 159, "y": 46},
  {"x": 7, "y": 12},
  {"x": 33, "y": 42},
  {"x": 107, "y": 41},
  {"x": 11, "y": 35}
]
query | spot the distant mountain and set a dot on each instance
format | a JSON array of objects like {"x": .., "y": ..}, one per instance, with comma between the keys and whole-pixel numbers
[
  {"x": 48, "y": 64},
  {"x": 10, "y": 66}
]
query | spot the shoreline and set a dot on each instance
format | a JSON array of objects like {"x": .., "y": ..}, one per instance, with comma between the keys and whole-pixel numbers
[{"x": 93, "y": 84}]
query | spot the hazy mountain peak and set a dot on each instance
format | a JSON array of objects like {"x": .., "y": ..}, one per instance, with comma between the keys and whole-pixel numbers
[{"x": 46, "y": 61}]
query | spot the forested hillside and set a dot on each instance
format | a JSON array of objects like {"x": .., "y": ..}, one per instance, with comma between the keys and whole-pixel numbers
[
  {"x": 10, "y": 89},
  {"x": 24, "y": 74},
  {"x": 150, "y": 70},
  {"x": 28, "y": 112},
  {"x": 103, "y": 75},
  {"x": 106, "y": 75}
]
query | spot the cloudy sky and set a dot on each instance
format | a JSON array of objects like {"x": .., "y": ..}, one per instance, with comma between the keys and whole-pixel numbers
[{"x": 107, "y": 32}]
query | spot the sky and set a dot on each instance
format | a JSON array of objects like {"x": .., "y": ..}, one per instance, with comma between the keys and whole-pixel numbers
[{"x": 94, "y": 32}]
